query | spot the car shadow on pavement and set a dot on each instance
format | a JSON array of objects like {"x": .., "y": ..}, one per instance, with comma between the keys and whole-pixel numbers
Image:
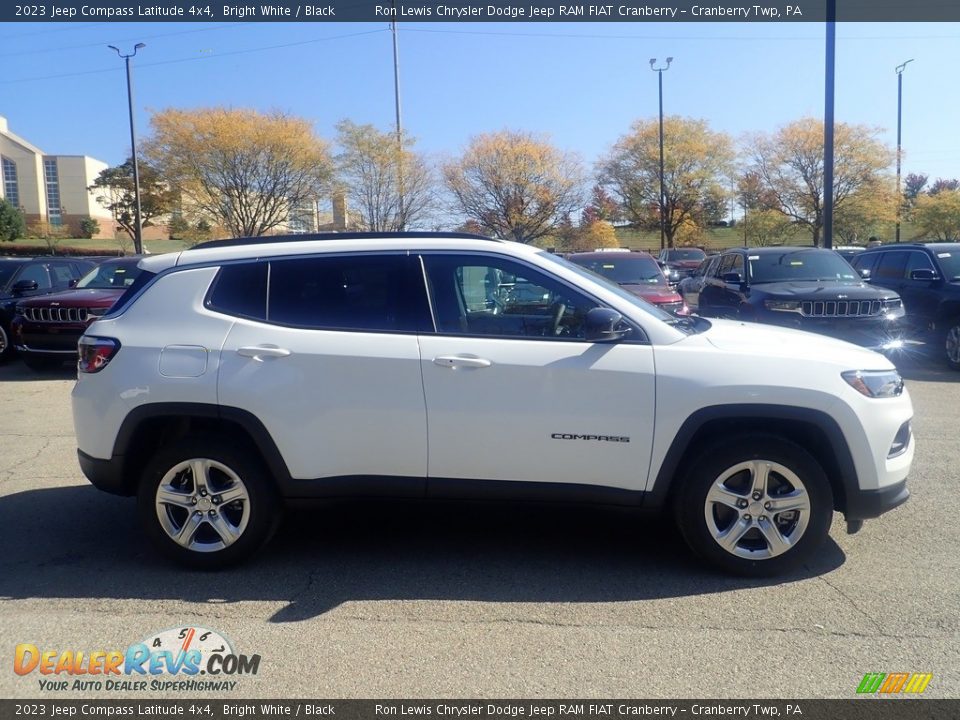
[
  {"x": 15, "y": 371},
  {"x": 75, "y": 542}
]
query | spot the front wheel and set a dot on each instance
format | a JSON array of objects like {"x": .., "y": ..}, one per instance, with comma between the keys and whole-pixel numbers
[
  {"x": 755, "y": 505},
  {"x": 207, "y": 503}
]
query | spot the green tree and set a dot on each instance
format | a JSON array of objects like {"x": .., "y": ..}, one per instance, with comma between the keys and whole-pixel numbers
[
  {"x": 938, "y": 216},
  {"x": 242, "y": 169},
  {"x": 763, "y": 227},
  {"x": 89, "y": 227},
  {"x": 390, "y": 186},
  {"x": 115, "y": 192},
  {"x": 789, "y": 164},
  {"x": 697, "y": 161},
  {"x": 515, "y": 185},
  {"x": 12, "y": 225}
]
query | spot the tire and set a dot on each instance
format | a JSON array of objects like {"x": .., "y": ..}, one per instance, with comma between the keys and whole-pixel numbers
[
  {"x": 716, "y": 502},
  {"x": 216, "y": 532},
  {"x": 951, "y": 344},
  {"x": 6, "y": 349},
  {"x": 39, "y": 362}
]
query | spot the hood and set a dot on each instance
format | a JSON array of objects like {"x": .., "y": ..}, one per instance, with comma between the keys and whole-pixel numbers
[
  {"x": 685, "y": 264},
  {"x": 75, "y": 298},
  {"x": 772, "y": 341},
  {"x": 825, "y": 290},
  {"x": 656, "y": 294}
]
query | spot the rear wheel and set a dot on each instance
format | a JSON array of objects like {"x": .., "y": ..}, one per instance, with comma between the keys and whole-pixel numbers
[
  {"x": 755, "y": 505},
  {"x": 952, "y": 344},
  {"x": 5, "y": 348},
  {"x": 207, "y": 503}
]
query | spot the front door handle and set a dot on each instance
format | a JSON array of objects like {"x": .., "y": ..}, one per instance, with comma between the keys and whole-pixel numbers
[
  {"x": 461, "y": 361},
  {"x": 259, "y": 352}
]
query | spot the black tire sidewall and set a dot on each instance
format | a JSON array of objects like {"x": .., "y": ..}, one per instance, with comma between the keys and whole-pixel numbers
[
  {"x": 690, "y": 500},
  {"x": 953, "y": 324},
  {"x": 264, "y": 505}
]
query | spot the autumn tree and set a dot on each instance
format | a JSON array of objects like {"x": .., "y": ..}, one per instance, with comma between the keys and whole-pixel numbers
[
  {"x": 763, "y": 227},
  {"x": 389, "y": 185},
  {"x": 937, "y": 216},
  {"x": 871, "y": 211},
  {"x": 940, "y": 185},
  {"x": 114, "y": 190},
  {"x": 515, "y": 185},
  {"x": 601, "y": 207},
  {"x": 242, "y": 169},
  {"x": 913, "y": 185},
  {"x": 790, "y": 165},
  {"x": 697, "y": 161}
]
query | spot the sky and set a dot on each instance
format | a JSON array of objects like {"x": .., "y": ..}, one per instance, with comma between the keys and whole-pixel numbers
[{"x": 581, "y": 84}]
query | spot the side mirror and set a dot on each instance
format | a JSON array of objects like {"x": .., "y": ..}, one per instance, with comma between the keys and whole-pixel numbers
[
  {"x": 603, "y": 325},
  {"x": 732, "y": 277},
  {"x": 24, "y": 286},
  {"x": 923, "y": 275},
  {"x": 864, "y": 273},
  {"x": 73, "y": 283}
]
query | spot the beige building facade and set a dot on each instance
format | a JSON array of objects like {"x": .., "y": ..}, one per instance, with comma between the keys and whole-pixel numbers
[{"x": 50, "y": 190}]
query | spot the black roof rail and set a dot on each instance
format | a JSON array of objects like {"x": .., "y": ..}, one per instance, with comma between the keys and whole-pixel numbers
[{"x": 304, "y": 237}]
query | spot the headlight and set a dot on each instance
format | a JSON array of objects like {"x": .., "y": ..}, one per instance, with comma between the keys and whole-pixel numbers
[
  {"x": 782, "y": 305},
  {"x": 875, "y": 383},
  {"x": 19, "y": 311}
]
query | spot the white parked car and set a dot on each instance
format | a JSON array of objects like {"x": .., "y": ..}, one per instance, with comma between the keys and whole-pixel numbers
[{"x": 240, "y": 376}]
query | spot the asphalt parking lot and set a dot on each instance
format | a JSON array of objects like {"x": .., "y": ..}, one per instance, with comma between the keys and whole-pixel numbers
[{"x": 482, "y": 601}]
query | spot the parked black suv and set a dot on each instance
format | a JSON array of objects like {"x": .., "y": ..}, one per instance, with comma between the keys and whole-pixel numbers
[
  {"x": 27, "y": 277},
  {"x": 927, "y": 276},
  {"x": 801, "y": 287}
]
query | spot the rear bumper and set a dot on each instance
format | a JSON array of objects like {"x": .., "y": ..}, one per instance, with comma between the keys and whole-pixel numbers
[
  {"x": 106, "y": 475},
  {"x": 868, "y": 504}
]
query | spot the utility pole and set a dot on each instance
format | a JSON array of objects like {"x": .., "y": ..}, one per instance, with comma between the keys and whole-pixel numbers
[
  {"x": 663, "y": 195},
  {"x": 396, "y": 96},
  {"x": 899, "y": 71},
  {"x": 138, "y": 228},
  {"x": 830, "y": 72}
]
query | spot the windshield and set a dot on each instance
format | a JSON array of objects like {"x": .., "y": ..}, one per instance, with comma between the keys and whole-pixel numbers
[
  {"x": 682, "y": 324},
  {"x": 799, "y": 265},
  {"x": 635, "y": 270},
  {"x": 118, "y": 274},
  {"x": 949, "y": 259},
  {"x": 686, "y": 254}
]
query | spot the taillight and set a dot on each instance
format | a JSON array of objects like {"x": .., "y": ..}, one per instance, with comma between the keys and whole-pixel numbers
[{"x": 95, "y": 353}]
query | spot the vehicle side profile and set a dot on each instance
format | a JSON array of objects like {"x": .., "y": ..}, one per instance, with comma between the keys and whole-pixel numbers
[
  {"x": 635, "y": 272},
  {"x": 238, "y": 377},
  {"x": 927, "y": 277}
]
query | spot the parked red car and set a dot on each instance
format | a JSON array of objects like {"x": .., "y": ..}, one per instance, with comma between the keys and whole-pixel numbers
[
  {"x": 45, "y": 330},
  {"x": 635, "y": 272}
]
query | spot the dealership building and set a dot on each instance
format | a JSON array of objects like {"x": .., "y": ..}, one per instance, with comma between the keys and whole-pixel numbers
[{"x": 50, "y": 189}]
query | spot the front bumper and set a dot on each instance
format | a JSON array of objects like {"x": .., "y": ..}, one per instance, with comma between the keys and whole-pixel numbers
[{"x": 869, "y": 504}]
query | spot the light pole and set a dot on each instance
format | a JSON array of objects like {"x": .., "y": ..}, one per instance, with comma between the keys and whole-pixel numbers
[
  {"x": 899, "y": 70},
  {"x": 663, "y": 202},
  {"x": 138, "y": 230},
  {"x": 396, "y": 97}
]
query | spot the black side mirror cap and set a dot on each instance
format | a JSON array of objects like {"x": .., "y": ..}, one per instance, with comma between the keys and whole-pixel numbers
[
  {"x": 22, "y": 286},
  {"x": 604, "y": 325},
  {"x": 923, "y": 275},
  {"x": 732, "y": 277},
  {"x": 864, "y": 273}
]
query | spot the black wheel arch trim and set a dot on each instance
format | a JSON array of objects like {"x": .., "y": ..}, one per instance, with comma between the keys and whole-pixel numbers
[
  {"x": 845, "y": 468},
  {"x": 249, "y": 422}
]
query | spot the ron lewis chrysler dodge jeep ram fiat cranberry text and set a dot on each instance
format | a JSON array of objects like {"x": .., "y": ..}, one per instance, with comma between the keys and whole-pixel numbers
[{"x": 230, "y": 379}]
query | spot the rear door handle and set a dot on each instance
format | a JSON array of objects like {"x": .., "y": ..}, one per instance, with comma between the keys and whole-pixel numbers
[
  {"x": 259, "y": 352},
  {"x": 461, "y": 361}
]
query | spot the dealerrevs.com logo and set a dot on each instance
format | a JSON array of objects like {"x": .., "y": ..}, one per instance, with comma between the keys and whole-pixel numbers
[{"x": 186, "y": 659}]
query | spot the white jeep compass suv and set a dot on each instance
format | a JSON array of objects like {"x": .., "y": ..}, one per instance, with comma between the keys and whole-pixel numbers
[{"x": 242, "y": 375}]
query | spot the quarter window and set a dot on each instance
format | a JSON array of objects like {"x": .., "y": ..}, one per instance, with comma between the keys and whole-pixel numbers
[
  {"x": 500, "y": 298},
  {"x": 241, "y": 290}
]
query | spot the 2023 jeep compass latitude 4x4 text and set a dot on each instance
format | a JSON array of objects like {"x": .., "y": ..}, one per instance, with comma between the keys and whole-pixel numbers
[{"x": 232, "y": 379}]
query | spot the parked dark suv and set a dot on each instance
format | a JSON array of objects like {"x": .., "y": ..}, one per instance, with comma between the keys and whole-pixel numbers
[
  {"x": 927, "y": 276},
  {"x": 26, "y": 277},
  {"x": 801, "y": 287},
  {"x": 46, "y": 329}
]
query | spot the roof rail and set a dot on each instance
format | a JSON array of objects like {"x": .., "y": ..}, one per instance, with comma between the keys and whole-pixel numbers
[{"x": 305, "y": 237}]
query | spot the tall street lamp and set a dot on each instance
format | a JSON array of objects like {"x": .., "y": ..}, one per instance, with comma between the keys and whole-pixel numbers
[
  {"x": 138, "y": 230},
  {"x": 396, "y": 98},
  {"x": 663, "y": 202},
  {"x": 899, "y": 70}
]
